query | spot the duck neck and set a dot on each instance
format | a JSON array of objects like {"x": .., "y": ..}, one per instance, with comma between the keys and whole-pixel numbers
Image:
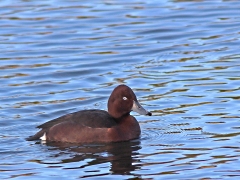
[{"x": 119, "y": 119}]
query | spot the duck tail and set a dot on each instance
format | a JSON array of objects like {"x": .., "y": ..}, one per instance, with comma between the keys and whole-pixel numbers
[{"x": 37, "y": 136}]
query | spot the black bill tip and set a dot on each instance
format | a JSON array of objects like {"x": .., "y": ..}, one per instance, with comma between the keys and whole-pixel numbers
[{"x": 149, "y": 114}]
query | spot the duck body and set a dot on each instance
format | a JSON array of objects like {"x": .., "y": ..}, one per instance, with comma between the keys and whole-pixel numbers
[{"x": 95, "y": 125}]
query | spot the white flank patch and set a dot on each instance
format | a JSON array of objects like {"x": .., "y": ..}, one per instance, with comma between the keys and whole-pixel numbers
[{"x": 43, "y": 138}]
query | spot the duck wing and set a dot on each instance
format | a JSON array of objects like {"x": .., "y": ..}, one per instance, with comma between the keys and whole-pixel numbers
[
  {"x": 93, "y": 118},
  {"x": 86, "y": 118}
]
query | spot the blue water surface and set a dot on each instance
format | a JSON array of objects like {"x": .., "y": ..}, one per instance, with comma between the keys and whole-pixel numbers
[{"x": 180, "y": 57}]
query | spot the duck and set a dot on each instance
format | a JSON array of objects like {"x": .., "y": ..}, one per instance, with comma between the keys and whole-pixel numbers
[{"x": 95, "y": 125}]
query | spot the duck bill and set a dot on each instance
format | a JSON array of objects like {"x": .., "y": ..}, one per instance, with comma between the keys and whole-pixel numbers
[{"x": 139, "y": 109}]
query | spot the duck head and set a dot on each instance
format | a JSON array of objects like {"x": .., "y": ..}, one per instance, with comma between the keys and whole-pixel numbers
[{"x": 122, "y": 101}]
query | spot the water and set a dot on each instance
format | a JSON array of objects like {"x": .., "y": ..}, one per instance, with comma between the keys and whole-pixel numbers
[{"x": 180, "y": 57}]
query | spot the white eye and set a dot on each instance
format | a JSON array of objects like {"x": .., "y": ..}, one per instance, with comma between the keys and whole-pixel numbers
[{"x": 124, "y": 98}]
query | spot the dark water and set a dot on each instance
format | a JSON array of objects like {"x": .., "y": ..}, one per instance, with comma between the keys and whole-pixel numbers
[{"x": 181, "y": 58}]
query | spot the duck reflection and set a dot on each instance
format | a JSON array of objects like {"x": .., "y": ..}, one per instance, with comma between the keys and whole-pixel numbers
[{"x": 121, "y": 155}]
